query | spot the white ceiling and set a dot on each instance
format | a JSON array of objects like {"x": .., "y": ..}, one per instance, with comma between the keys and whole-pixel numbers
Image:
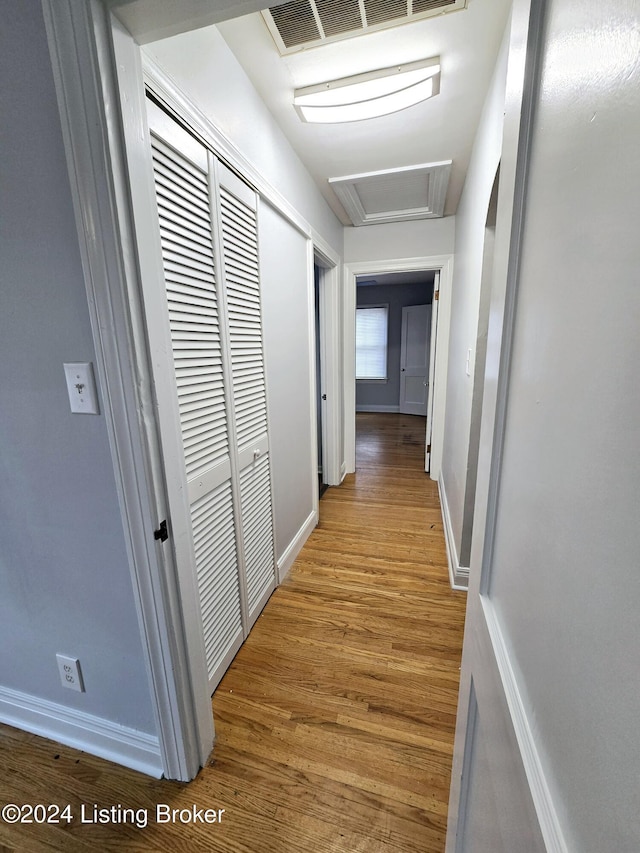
[{"x": 442, "y": 128}]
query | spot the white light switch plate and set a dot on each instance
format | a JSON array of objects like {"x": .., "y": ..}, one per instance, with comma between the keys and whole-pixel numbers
[{"x": 82, "y": 388}]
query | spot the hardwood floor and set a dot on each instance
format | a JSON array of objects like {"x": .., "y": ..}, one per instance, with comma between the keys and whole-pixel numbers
[{"x": 334, "y": 723}]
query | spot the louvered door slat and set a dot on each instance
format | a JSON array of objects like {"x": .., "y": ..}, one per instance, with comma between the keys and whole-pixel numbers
[
  {"x": 242, "y": 290},
  {"x": 239, "y": 234},
  {"x": 164, "y": 160},
  {"x": 239, "y": 247},
  {"x": 243, "y": 215},
  {"x": 189, "y": 371},
  {"x": 173, "y": 211},
  {"x": 182, "y": 244},
  {"x": 168, "y": 180},
  {"x": 240, "y": 250},
  {"x": 218, "y": 576},
  {"x": 246, "y": 300},
  {"x": 255, "y": 496},
  {"x": 192, "y": 319},
  {"x": 241, "y": 280},
  {"x": 193, "y": 264}
]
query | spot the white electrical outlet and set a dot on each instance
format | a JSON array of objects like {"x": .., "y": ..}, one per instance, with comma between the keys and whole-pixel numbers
[{"x": 70, "y": 675}]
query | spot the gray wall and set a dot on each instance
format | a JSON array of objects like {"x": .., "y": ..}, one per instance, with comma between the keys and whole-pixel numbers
[
  {"x": 284, "y": 270},
  {"x": 565, "y": 562},
  {"x": 63, "y": 566},
  {"x": 376, "y": 395}
]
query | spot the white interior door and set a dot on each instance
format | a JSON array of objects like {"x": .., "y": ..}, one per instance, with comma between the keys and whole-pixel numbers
[
  {"x": 238, "y": 224},
  {"x": 414, "y": 359},
  {"x": 182, "y": 170},
  {"x": 431, "y": 383},
  {"x": 209, "y": 243}
]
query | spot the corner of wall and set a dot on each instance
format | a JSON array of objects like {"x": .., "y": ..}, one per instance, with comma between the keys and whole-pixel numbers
[
  {"x": 458, "y": 575},
  {"x": 295, "y": 546}
]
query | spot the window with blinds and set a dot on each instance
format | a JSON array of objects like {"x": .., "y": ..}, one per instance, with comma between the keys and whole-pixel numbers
[{"x": 372, "y": 325}]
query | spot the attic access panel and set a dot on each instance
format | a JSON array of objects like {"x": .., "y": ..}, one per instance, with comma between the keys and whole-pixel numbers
[
  {"x": 300, "y": 24},
  {"x": 394, "y": 195}
]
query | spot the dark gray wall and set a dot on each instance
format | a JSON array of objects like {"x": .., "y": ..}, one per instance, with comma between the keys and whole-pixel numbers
[
  {"x": 64, "y": 573},
  {"x": 398, "y": 296}
]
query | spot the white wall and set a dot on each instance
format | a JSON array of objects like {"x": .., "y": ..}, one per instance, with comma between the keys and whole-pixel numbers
[
  {"x": 203, "y": 66},
  {"x": 421, "y": 238},
  {"x": 467, "y": 275},
  {"x": 565, "y": 566},
  {"x": 284, "y": 277},
  {"x": 63, "y": 565}
]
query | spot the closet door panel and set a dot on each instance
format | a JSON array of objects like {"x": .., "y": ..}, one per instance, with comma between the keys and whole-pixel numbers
[
  {"x": 239, "y": 229},
  {"x": 182, "y": 184},
  {"x": 216, "y": 558},
  {"x": 255, "y": 497}
]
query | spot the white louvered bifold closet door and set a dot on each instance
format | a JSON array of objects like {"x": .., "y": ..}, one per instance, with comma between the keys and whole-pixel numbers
[
  {"x": 182, "y": 176},
  {"x": 238, "y": 224}
]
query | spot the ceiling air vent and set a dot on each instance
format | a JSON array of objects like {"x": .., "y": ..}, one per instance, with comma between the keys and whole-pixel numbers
[{"x": 300, "y": 24}]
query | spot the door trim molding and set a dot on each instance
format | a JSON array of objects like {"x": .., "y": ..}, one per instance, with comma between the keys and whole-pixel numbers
[
  {"x": 330, "y": 357},
  {"x": 543, "y": 801},
  {"x": 443, "y": 263},
  {"x": 458, "y": 575},
  {"x": 80, "y": 44}
]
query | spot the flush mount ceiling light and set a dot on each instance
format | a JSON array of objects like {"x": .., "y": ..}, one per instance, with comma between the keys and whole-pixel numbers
[{"x": 376, "y": 93}]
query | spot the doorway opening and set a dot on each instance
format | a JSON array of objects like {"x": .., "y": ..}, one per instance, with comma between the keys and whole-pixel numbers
[
  {"x": 393, "y": 350},
  {"x": 439, "y": 270}
]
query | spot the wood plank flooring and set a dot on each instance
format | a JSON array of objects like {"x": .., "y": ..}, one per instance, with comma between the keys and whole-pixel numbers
[{"x": 334, "y": 723}]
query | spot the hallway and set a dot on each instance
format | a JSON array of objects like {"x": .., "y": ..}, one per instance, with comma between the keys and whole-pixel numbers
[{"x": 335, "y": 722}]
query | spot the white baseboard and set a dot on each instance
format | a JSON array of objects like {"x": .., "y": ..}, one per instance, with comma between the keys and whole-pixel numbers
[
  {"x": 365, "y": 408},
  {"x": 547, "y": 815},
  {"x": 295, "y": 546},
  {"x": 122, "y": 745},
  {"x": 343, "y": 471},
  {"x": 458, "y": 575}
]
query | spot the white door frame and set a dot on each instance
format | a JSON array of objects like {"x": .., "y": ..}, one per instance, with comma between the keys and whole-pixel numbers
[
  {"x": 330, "y": 361},
  {"x": 435, "y": 303},
  {"x": 328, "y": 345},
  {"x": 443, "y": 263}
]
